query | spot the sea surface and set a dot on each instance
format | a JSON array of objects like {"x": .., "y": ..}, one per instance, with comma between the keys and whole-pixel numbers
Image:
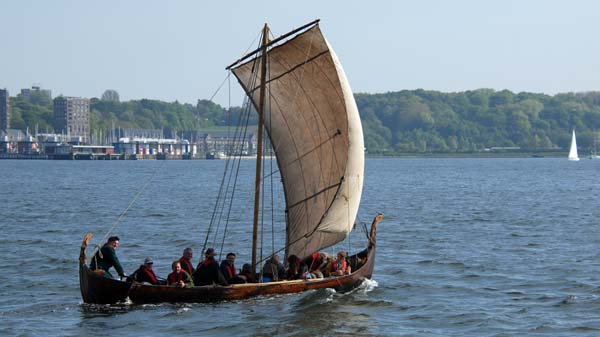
[{"x": 468, "y": 247}]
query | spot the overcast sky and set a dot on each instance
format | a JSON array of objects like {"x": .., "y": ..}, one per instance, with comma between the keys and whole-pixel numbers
[{"x": 178, "y": 50}]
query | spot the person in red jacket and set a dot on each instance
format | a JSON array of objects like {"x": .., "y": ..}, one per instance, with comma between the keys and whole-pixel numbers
[
  {"x": 340, "y": 266},
  {"x": 146, "y": 274},
  {"x": 228, "y": 267},
  {"x": 186, "y": 261},
  {"x": 179, "y": 277}
]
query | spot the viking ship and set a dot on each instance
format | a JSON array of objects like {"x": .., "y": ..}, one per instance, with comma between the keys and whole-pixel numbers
[{"x": 305, "y": 105}]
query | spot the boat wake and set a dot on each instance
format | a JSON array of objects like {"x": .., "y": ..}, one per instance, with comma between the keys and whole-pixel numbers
[
  {"x": 367, "y": 286},
  {"x": 92, "y": 310}
]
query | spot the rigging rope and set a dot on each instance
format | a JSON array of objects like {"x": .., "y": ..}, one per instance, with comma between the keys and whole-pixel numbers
[
  {"x": 245, "y": 128},
  {"x": 225, "y": 198},
  {"x": 131, "y": 203}
]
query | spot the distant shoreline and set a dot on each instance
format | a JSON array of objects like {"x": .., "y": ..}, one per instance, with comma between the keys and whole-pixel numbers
[{"x": 556, "y": 154}]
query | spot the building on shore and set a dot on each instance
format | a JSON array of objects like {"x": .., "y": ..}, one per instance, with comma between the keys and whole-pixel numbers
[
  {"x": 13, "y": 141},
  {"x": 228, "y": 143},
  {"x": 139, "y": 144},
  {"x": 4, "y": 109},
  {"x": 36, "y": 93},
  {"x": 154, "y": 146},
  {"x": 72, "y": 117}
]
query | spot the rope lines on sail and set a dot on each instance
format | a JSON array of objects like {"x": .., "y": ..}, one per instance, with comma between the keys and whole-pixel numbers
[
  {"x": 315, "y": 148},
  {"x": 317, "y": 114},
  {"x": 297, "y": 72},
  {"x": 274, "y": 41},
  {"x": 291, "y": 70},
  {"x": 319, "y": 117},
  {"x": 268, "y": 120}
]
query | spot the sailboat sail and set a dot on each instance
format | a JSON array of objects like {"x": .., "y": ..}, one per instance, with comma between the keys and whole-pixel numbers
[
  {"x": 314, "y": 127},
  {"x": 573, "y": 151}
]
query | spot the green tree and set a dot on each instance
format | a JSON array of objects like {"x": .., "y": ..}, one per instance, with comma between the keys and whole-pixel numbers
[{"x": 110, "y": 95}]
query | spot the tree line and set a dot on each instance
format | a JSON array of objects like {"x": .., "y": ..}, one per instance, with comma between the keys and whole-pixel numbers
[
  {"x": 432, "y": 121},
  {"x": 408, "y": 121}
]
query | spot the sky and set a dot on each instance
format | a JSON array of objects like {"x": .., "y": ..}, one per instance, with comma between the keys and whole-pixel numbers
[{"x": 178, "y": 50}]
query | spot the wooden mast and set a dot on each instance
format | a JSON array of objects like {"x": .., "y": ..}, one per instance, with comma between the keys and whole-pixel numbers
[{"x": 261, "y": 108}]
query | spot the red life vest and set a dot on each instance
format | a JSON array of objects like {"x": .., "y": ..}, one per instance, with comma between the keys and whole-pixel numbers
[
  {"x": 186, "y": 265},
  {"x": 230, "y": 271},
  {"x": 175, "y": 278},
  {"x": 208, "y": 261},
  {"x": 150, "y": 274},
  {"x": 339, "y": 265}
]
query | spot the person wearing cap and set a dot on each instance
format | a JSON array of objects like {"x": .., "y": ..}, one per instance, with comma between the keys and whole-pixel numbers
[
  {"x": 106, "y": 258},
  {"x": 208, "y": 272},
  {"x": 145, "y": 274},
  {"x": 179, "y": 277}
]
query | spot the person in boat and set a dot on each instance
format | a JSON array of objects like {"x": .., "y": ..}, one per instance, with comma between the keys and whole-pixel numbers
[
  {"x": 228, "y": 267},
  {"x": 296, "y": 268},
  {"x": 340, "y": 266},
  {"x": 326, "y": 266},
  {"x": 179, "y": 277},
  {"x": 145, "y": 273},
  {"x": 273, "y": 270},
  {"x": 186, "y": 261},
  {"x": 106, "y": 258},
  {"x": 316, "y": 262},
  {"x": 208, "y": 272},
  {"x": 246, "y": 275}
]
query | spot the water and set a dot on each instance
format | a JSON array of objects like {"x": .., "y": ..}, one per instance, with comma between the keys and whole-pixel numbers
[{"x": 468, "y": 247}]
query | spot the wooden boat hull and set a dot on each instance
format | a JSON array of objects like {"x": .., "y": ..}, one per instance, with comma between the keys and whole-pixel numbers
[
  {"x": 140, "y": 293},
  {"x": 96, "y": 288},
  {"x": 99, "y": 289}
]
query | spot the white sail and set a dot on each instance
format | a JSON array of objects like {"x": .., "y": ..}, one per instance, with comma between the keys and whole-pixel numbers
[
  {"x": 315, "y": 129},
  {"x": 573, "y": 151}
]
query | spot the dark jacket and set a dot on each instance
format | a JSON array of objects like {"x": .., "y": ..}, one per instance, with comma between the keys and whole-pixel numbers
[
  {"x": 109, "y": 259},
  {"x": 143, "y": 274},
  {"x": 208, "y": 272}
]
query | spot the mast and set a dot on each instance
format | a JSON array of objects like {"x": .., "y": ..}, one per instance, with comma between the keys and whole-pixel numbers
[{"x": 261, "y": 108}]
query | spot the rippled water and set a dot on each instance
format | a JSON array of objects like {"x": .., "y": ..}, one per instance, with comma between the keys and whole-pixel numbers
[{"x": 468, "y": 247}]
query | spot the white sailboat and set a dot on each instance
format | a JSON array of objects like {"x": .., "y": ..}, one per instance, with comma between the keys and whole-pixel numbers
[{"x": 573, "y": 151}]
